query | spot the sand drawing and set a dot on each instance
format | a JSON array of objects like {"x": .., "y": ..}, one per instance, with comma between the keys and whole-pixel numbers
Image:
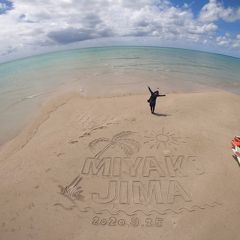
[
  {"x": 129, "y": 222},
  {"x": 162, "y": 139},
  {"x": 131, "y": 182},
  {"x": 73, "y": 191},
  {"x": 128, "y": 145},
  {"x": 90, "y": 125},
  {"x": 143, "y": 166},
  {"x": 66, "y": 208},
  {"x": 136, "y": 192},
  {"x": 168, "y": 210}
]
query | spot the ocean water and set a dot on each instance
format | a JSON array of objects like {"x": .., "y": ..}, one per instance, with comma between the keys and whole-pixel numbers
[{"x": 26, "y": 83}]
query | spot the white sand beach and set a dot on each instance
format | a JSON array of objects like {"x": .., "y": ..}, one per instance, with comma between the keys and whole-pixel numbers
[{"x": 106, "y": 168}]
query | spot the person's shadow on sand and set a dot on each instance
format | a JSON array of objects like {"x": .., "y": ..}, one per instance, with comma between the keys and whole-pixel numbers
[{"x": 161, "y": 114}]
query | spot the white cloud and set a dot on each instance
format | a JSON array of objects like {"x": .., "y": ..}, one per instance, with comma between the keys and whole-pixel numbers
[
  {"x": 229, "y": 41},
  {"x": 214, "y": 10},
  {"x": 34, "y": 23},
  {"x": 223, "y": 41}
]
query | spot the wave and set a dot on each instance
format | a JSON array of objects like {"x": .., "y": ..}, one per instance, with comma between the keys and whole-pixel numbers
[
  {"x": 126, "y": 58},
  {"x": 175, "y": 65}
]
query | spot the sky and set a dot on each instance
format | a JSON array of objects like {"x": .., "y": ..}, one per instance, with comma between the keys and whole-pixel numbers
[{"x": 29, "y": 27}]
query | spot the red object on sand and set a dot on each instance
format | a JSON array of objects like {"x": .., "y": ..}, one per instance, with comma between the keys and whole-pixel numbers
[
  {"x": 236, "y": 141},
  {"x": 236, "y": 147}
]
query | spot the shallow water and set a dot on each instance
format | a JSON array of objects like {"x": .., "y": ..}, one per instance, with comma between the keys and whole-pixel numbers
[{"x": 24, "y": 84}]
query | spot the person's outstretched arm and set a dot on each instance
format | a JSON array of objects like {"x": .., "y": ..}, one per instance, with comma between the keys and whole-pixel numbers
[
  {"x": 161, "y": 95},
  {"x": 150, "y": 90}
]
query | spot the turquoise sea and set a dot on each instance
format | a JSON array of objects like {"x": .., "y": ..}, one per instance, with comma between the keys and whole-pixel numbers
[{"x": 26, "y": 83}]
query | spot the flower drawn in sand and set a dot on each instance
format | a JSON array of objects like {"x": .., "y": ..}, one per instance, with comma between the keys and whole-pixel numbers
[
  {"x": 73, "y": 191},
  {"x": 162, "y": 139},
  {"x": 128, "y": 145}
]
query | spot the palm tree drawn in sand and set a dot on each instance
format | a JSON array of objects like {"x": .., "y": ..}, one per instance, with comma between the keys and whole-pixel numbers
[{"x": 122, "y": 140}]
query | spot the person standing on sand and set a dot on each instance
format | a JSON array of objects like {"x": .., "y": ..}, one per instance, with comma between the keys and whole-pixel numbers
[{"x": 153, "y": 98}]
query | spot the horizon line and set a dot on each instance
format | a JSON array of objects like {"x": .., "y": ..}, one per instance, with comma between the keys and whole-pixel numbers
[{"x": 116, "y": 46}]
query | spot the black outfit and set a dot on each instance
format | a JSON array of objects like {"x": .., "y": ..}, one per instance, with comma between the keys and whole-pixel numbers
[{"x": 153, "y": 98}]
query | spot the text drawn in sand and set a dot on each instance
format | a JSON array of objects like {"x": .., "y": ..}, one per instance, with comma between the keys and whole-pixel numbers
[
  {"x": 143, "y": 166},
  {"x": 136, "y": 192},
  {"x": 129, "y": 179},
  {"x": 127, "y": 221}
]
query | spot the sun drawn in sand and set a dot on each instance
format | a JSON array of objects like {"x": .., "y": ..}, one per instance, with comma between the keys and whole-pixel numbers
[{"x": 163, "y": 139}]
